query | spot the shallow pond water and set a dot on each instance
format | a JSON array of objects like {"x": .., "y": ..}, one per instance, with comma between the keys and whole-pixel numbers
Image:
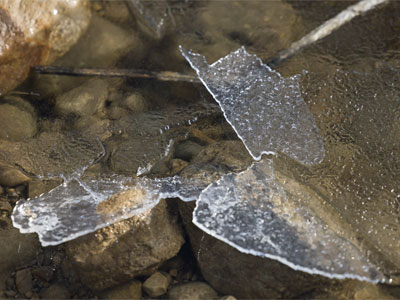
[{"x": 349, "y": 82}]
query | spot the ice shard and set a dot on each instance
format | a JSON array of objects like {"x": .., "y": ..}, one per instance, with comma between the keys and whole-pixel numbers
[
  {"x": 265, "y": 109},
  {"x": 252, "y": 212},
  {"x": 83, "y": 204}
]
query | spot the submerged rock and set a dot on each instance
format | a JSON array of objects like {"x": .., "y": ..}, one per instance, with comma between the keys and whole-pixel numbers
[
  {"x": 55, "y": 291},
  {"x": 17, "y": 124},
  {"x": 10, "y": 176},
  {"x": 23, "y": 281},
  {"x": 36, "y": 33},
  {"x": 131, "y": 290},
  {"x": 157, "y": 284},
  {"x": 192, "y": 290},
  {"x": 243, "y": 275},
  {"x": 125, "y": 250},
  {"x": 84, "y": 100},
  {"x": 16, "y": 249}
]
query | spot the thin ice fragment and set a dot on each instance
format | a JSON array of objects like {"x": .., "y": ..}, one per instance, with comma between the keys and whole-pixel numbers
[
  {"x": 252, "y": 212},
  {"x": 152, "y": 14},
  {"x": 82, "y": 205},
  {"x": 52, "y": 154},
  {"x": 266, "y": 110}
]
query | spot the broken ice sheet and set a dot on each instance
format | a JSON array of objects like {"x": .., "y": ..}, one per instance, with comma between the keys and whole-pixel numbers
[
  {"x": 82, "y": 204},
  {"x": 266, "y": 110},
  {"x": 71, "y": 209},
  {"x": 252, "y": 212}
]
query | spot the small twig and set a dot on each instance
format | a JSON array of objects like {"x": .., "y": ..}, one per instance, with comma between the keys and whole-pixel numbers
[
  {"x": 163, "y": 76},
  {"x": 325, "y": 29},
  {"x": 24, "y": 93}
]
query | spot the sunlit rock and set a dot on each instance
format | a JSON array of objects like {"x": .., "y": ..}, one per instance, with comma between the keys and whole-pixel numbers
[
  {"x": 35, "y": 33},
  {"x": 125, "y": 250}
]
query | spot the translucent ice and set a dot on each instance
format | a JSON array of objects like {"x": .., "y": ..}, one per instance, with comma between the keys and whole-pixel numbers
[
  {"x": 71, "y": 209},
  {"x": 252, "y": 212},
  {"x": 266, "y": 110},
  {"x": 82, "y": 204},
  {"x": 53, "y": 153},
  {"x": 152, "y": 14}
]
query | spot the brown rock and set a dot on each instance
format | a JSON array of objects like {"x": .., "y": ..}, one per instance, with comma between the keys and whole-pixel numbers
[
  {"x": 136, "y": 102},
  {"x": 5, "y": 206},
  {"x": 23, "y": 281},
  {"x": 193, "y": 291},
  {"x": 187, "y": 150},
  {"x": 156, "y": 285},
  {"x": 10, "y": 176},
  {"x": 228, "y": 298},
  {"x": 37, "y": 187},
  {"x": 16, "y": 249},
  {"x": 242, "y": 275},
  {"x": 131, "y": 290},
  {"x": 17, "y": 124},
  {"x": 176, "y": 165},
  {"x": 55, "y": 291},
  {"x": 125, "y": 250},
  {"x": 85, "y": 100},
  {"x": 36, "y": 33}
]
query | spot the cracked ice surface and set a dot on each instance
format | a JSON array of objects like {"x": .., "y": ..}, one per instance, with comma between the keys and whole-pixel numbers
[
  {"x": 251, "y": 212},
  {"x": 266, "y": 110}
]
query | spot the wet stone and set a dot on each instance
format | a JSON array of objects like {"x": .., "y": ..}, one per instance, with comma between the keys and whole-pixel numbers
[
  {"x": 23, "y": 281},
  {"x": 37, "y": 187},
  {"x": 229, "y": 297},
  {"x": 16, "y": 249},
  {"x": 10, "y": 176},
  {"x": 136, "y": 102},
  {"x": 10, "y": 293},
  {"x": 102, "y": 45},
  {"x": 5, "y": 206},
  {"x": 17, "y": 124},
  {"x": 187, "y": 150},
  {"x": 33, "y": 34},
  {"x": 127, "y": 249},
  {"x": 44, "y": 273},
  {"x": 177, "y": 165},
  {"x": 192, "y": 290},
  {"x": 131, "y": 290},
  {"x": 157, "y": 284},
  {"x": 55, "y": 291},
  {"x": 10, "y": 283},
  {"x": 84, "y": 100}
]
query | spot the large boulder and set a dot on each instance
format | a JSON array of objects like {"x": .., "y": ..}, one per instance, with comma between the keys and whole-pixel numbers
[
  {"x": 242, "y": 275},
  {"x": 125, "y": 250},
  {"x": 36, "y": 32}
]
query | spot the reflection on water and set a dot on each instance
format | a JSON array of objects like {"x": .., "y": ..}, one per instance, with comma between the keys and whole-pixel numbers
[{"x": 351, "y": 88}]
